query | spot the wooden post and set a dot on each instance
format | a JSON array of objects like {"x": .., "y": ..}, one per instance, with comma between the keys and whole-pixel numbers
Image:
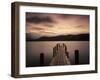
[
  {"x": 54, "y": 51},
  {"x": 41, "y": 59},
  {"x": 67, "y": 54},
  {"x": 76, "y": 56}
]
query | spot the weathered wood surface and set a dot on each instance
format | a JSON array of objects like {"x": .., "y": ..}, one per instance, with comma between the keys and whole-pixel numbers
[{"x": 60, "y": 57}]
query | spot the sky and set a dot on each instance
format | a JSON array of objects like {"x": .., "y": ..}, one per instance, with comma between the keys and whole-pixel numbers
[{"x": 49, "y": 24}]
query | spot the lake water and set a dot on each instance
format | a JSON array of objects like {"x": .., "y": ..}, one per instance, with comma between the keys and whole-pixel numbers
[{"x": 34, "y": 48}]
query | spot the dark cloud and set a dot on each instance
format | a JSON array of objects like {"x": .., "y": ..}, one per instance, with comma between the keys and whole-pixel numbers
[
  {"x": 38, "y": 18},
  {"x": 85, "y": 17},
  {"x": 68, "y": 16},
  {"x": 64, "y": 16}
]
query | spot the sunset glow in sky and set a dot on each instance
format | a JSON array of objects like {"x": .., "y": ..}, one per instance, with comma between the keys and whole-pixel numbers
[{"x": 45, "y": 24}]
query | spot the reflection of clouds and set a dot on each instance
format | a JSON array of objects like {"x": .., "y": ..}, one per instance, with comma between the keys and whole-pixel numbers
[{"x": 56, "y": 24}]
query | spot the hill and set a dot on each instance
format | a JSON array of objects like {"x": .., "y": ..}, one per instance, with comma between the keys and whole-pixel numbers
[{"x": 79, "y": 37}]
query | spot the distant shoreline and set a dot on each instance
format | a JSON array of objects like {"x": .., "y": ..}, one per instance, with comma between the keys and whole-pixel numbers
[{"x": 80, "y": 37}]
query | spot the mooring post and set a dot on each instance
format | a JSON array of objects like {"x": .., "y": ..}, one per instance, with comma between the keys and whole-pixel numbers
[
  {"x": 54, "y": 51},
  {"x": 67, "y": 54},
  {"x": 76, "y": 56},
  {"x": 41, "y": 59}
]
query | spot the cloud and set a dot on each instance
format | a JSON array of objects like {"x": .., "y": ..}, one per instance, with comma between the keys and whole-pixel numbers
[
  {"x": 47, "y": 24},
  {"x": 79, "y": 26},
  {"x": 64, "y": 16},
  {"x": 37, "y": 28},
  {"x": 38, "y": 18},
  {"x": 76, "y": 18}
]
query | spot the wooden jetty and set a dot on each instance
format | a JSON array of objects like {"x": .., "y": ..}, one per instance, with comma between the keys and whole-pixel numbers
[{"x": 59, "y": 55}]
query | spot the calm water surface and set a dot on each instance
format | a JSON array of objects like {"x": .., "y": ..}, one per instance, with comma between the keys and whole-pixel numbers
[{"x": 33, "y": 50}]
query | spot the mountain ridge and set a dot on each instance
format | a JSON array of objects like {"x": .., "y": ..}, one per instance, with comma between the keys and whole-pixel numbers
[{"x": 79, "y": 37}]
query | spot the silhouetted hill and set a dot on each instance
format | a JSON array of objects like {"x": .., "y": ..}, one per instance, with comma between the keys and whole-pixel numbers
[{"x": 80, "y": 37}]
